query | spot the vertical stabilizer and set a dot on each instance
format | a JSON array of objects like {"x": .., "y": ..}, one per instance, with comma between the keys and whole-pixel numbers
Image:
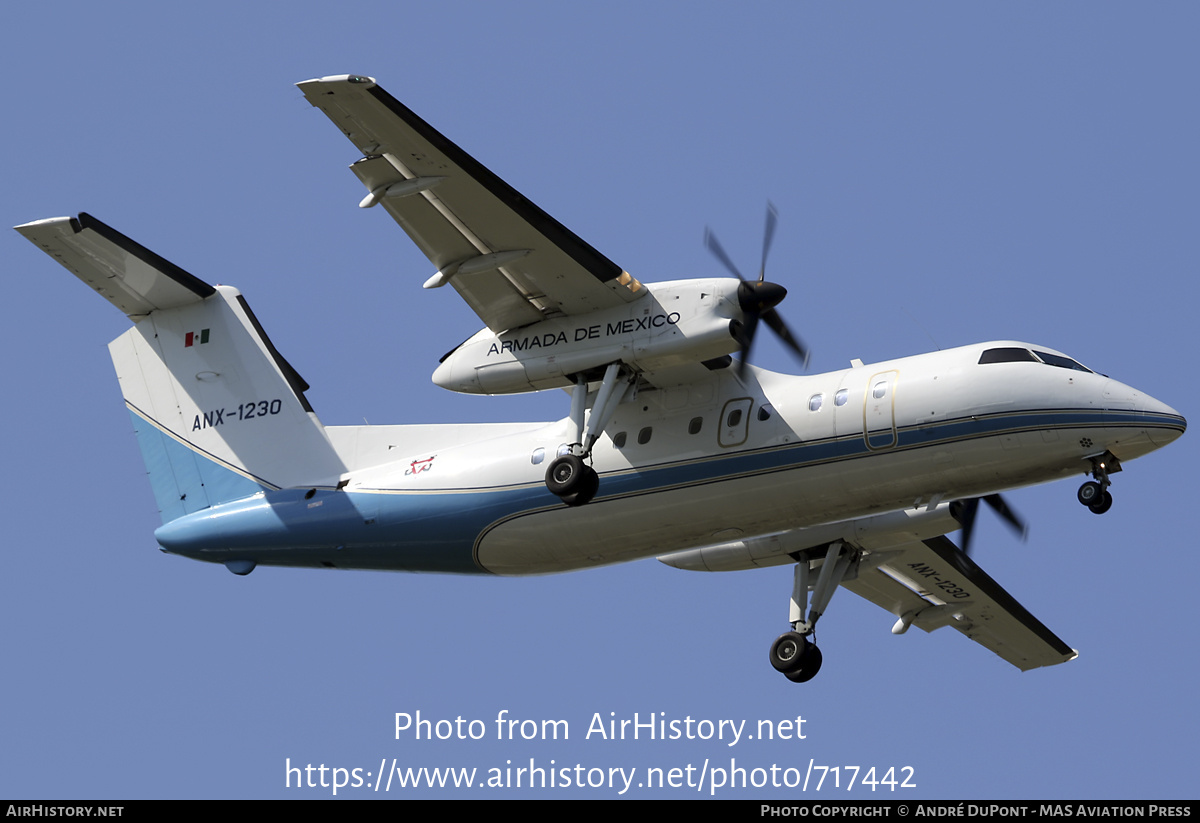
[{"x": 219, "y": 414}]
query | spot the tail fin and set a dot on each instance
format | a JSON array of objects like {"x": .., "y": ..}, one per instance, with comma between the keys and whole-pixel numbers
[{"x": 218, "y": 413}]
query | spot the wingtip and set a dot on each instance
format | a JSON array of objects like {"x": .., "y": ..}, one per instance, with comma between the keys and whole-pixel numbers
[
  {"x": 45, "y": 221},
  {"x": 355, "y": 79}
]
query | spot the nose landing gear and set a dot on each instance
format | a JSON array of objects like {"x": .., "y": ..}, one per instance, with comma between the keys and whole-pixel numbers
[
  {"x": 1094, "y": 493},
  {"x": 1095, "y": 497}
]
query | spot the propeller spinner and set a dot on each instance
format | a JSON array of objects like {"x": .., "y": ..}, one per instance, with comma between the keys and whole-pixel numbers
[{"x": 758, "y": 298}]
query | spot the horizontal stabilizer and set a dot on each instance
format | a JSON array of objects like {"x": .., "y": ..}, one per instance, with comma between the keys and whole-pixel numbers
[{"x": 125, "y": 273}]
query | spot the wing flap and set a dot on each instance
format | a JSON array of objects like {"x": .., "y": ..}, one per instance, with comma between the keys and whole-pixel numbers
[
  {"x": 125, "y": 273},
  {"x": 468, "y": 213},
  {"x": 932, "y": 584},
  {"x": 502, "y": 300}
]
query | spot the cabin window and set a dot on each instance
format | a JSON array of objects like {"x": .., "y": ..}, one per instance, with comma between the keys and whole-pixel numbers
[
  {"x": 814, "y": 402},
  {"x": 539, "y": 454},
  {"x": 764, "y": 413},
  {"x": 880, "y": 390},
  {"x": 619, "y": 440},
  {"x": 734, "y": 418},
  {"x": 1007, "y": 355},
  {"x": 695, "y": 425},
  {"x": 565, "y": 448},
  {"x": 841, "y": 397},
  {"x": 644, "y": 435}
]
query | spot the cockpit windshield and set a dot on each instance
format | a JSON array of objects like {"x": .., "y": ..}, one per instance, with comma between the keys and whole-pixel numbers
[
  {"x": 1008, "y": 354},
  {"x": 1016, "y": 354},
  {"x": 1062, "y": 361}
]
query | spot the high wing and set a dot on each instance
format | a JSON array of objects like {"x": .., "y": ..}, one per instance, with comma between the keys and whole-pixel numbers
[
  {"x": 932, "y": 584},
  {"x": 513, "y": 263}
]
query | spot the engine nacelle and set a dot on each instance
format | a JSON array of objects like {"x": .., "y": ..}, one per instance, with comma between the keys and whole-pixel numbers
[
  {"x": 881, "y": 531},
  {"x": 688, "y": 321}
]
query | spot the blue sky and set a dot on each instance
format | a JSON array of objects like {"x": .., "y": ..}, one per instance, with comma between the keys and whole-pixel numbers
[{"x": 945, "y": 173}]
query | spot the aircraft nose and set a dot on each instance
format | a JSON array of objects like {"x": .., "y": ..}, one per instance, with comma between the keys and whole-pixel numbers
[
  {"x": 1144, "y": 418},
  {"x": 1164, "y": 424}
]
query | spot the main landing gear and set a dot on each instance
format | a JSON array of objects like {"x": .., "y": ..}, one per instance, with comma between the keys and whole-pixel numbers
[
  {"x": 793, "y": 653},
  {"x": 1094, "y": 494},
  {"x": 568, "y": 476},
  {"x": 572, "y": 479}
]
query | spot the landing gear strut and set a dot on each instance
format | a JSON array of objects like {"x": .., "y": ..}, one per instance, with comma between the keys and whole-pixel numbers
[
  {"x": 568, "y": 476},
  {"x": 1094, "y": 494},
  {"x": 793, "y": 653}
]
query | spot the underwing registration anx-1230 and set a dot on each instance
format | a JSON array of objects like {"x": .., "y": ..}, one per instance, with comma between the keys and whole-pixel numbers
[{"x": 669, "y": 446}]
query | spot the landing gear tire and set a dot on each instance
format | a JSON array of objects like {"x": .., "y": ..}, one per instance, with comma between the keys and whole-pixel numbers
[
  {"x": 790, "y": 651},
  {"x": 565, "y": 475},
  {"x": 795, "y": 657},
  {"x": 1103, "y": 504},
  {"x": 1091, "y": 493},
  {"x": 589, "y": 484},
  {"x": 810, "y": 665}
]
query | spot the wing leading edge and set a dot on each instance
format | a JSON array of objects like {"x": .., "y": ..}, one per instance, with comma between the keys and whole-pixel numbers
[
  {"x": 513, "y": 263},
  {"x": 931, "y": 584}
]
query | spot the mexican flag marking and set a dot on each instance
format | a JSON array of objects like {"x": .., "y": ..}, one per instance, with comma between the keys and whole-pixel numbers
[{"x": 193, "y": 338}]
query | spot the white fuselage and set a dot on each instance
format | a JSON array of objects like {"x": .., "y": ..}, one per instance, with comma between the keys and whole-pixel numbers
[{"x": 718, "y": 460}]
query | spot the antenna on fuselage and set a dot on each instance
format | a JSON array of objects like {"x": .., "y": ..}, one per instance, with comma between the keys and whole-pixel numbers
[{"x": 923, "y": 328}]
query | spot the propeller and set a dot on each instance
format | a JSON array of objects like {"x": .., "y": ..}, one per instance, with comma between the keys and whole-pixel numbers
[
  {"x": 758, "y": 298},
  {"x": 965, "y": 511}
]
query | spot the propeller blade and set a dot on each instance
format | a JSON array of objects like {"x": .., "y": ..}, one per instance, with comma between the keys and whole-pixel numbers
[
  {"x": 965, "y": 512},
  {"x": 772, "y": 319},
  {"x": 966, "y": 516},
  {"x": 1001, "y": 507},
  {"x": 768, "y": 236},
  {"x": 714, "y": 246},
  {"x": 757, "y": 298},
  {"x": 746, "y": 340}
]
